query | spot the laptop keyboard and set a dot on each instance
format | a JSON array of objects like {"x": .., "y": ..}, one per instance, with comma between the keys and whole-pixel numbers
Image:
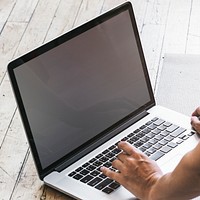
[{"x": 156, "y": 138}]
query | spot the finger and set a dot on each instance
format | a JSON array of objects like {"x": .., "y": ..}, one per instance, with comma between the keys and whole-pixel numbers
[
  {"x": 195, "y": 123},
  {"x": 122, "y": 157},
  {"x": 196, "y": 112},
  {"x": 109, "y": 173},
  {"x": 117, "y": 164},
  {"x": 127, "y": 148}
]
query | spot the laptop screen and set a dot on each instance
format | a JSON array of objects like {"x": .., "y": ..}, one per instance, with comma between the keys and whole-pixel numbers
[{"x": 82, "y": 87}]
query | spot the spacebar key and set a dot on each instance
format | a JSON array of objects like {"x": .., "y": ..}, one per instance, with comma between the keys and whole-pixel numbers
[{"x": 156, "y": 155}]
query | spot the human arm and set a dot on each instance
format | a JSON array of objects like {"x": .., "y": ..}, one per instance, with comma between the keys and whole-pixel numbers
[{"x": 142, "y": 177}]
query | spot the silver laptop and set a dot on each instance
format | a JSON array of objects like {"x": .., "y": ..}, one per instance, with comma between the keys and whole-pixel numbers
[{"x": 82, "y": 93}]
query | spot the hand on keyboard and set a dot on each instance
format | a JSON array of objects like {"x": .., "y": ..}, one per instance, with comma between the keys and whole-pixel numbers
[{"x": 136, "y": 171}]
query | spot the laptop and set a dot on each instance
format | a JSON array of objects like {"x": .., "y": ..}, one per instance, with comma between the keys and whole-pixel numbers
[{"x": 82, "y": 93}]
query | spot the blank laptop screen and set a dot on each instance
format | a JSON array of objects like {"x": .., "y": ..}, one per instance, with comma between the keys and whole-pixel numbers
[{"x": 82, "y": 87}]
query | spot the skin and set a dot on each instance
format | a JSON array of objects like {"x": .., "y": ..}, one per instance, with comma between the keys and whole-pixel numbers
[{"x": 143, "y": 178}]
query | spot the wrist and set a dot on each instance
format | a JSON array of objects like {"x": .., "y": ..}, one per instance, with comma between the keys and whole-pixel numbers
[{"x": 154, "y": 192}]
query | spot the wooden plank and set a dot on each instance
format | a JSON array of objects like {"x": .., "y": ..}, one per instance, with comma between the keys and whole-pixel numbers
[
  {"x": 8, "y": 46},
  {"x": 177, "y": 27},
  {"x": 23, "y": 10},
  {"x": 152, "y": 34},
  {"x": 6, "y": 7},
  {"x": 109, "y": 4},
  {"x": 193, "y": 40},
  {"x": 88, "y": 10},
  {"x": 28, "y": 185},
  {"x": 140, "y": 10},
  {"x": 9, "y": 41},
  {"x": 7, "y": 108},
  {"x": 38, "y": 26},
  {"x": 13, "y": 151},
  {"x": 64, "y": 18}
]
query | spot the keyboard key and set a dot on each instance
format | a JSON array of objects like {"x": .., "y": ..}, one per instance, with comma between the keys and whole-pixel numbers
[
  {"x": 84, "y": 172},
  {"x": 130, "y": 135},
  {"x": 191, "y": 133},
  {"x": 134, "y": 138},
  {"x": 152, "y": 126},
  {"x": 172, "y": 144},
  {"x": 108, "y": 164},
  {"x": 158, "y": 122},
  {"x": 142, "y": 127},
  {"x": 178, "y": 132},
  {"x": 99, "y": 156},
  {"x": 164, "y": 133},
  {"x": 146, "y": 130},
  {"x": 147, "y": 153},
  {"x": 86, "y": 178},
  {"x": 144, "y": 139},
  {"x": 72, "y": 174},
  {"x": 150, "y": 135},
  {"x": 147, "y": 145},
  {"x": 138, "y": 144},
  {"x": 151, "y": 150},
  {"x": 154, "y": 119},
  {"x": 172, "y": 128},
  {"x": 110, "y": 155},
  {"x": 91, "y": 167},
  {"x": 104, "y": 159},
  {"x": 157, "y": 146},
  {"x": 114, "y": 185},
  {"x": 78, "y": 176},
  {"x": 102, "y": 176},
  {"x": 95, "y": 181},
  {"x": 153, "y": 141},
  {"x": 148, "y": 123},
  {"x": 112, "y": 147},
  {"x": 95, "y": 173},
  {"x": 105, "y": 152},
  {"x": 97, "y": 163},
  {"x": 156, "y": 131},
  {"x": 159, "y": 137},
  {"x": 107, "y": 190},
  {"x": 167, "y": 124},
  {"x": 162, "y": 127},
  {"x": 79, "y": 169},
  {"x": 157, "y": 155},
  {"x": 124, "y": 139},
  {"x": 86, "y": 164},
  {"x": 104, "y": 183},
  {"x": 92, "y": 160},
  {"x": 163, "y": 142},
  {"x": 166, "y": 149},
  {"x": 143, "y": 149},
  {"x": 116, "y": 151},
  {"x": 169, "y": 138},
  {"x": 136, "y": 131},
  {"x": 141, "y": 134}
]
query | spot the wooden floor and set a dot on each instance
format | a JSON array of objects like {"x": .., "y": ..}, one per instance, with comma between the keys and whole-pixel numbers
[{"x": 165, "y": 26}]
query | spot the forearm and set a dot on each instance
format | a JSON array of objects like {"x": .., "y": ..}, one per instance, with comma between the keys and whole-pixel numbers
[{"x": 183, "y": 183}]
